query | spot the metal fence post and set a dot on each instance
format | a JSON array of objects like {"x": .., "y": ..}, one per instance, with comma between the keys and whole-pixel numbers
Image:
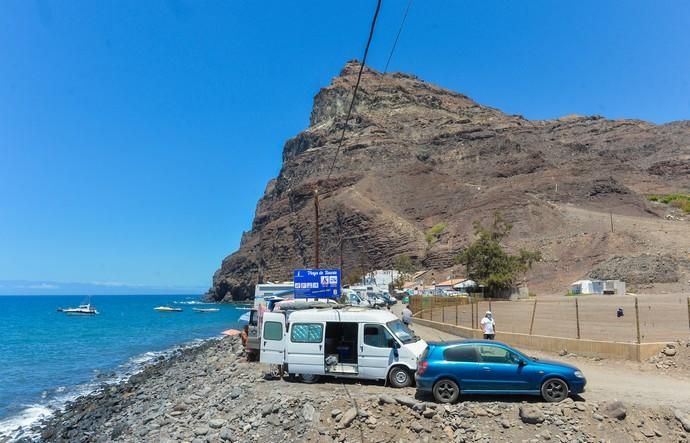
[
  {"x": 457, "y": 307},
  {"x": 534, "y": 310},
  {"x": 637, "y": 321},
  {"x": 577, "y": 318},
  {"x": 472, "y": 313},
  {"x": 443, "y": 312},
  {"x": 688, "y": 311},
  {"x": 475, "y": 322}
]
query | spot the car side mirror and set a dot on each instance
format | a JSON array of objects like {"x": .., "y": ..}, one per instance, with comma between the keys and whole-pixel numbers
[
  {"x": 522, "y": 362},
  {"x": 396, "y": 345}
]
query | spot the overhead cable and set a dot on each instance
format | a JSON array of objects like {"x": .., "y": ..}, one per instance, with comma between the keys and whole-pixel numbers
[
  {"x": 354, "y": 92},
  {"x": 395, "y": 43}
]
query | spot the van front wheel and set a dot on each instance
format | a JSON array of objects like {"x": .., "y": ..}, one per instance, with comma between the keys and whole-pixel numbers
[
  {"x": 400, "y": 377},
  {"x": 309, "y": 378}
]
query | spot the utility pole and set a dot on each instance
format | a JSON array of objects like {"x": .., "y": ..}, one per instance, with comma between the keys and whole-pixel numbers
[
  {"x": 316, "y": 229},
  {"x": 341, "y": 253}
]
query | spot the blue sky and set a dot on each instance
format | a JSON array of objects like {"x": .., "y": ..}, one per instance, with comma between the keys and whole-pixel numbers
[{"x": 136, "y": 137}]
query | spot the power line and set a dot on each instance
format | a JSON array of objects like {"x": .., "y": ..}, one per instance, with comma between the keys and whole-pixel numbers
[
  {"x": 395, "y": 43},
  {"x": 354, "y": 93}
]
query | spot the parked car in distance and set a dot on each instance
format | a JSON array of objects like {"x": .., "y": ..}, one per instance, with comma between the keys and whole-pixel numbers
[{"x": 449, "y": 369}]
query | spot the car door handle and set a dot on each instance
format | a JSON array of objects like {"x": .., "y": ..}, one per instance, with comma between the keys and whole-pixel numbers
[
  {"x": 485, "y": 368},
  {"x": 320, "y": 347},
  {"x": 361, "y": 348}
]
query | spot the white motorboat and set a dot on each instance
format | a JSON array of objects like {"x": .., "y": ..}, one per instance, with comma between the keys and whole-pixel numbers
[
  {"x": 205, "y": 310},
  {"x": 167, "y": 309},
  {"x": 84, "y": 309}
]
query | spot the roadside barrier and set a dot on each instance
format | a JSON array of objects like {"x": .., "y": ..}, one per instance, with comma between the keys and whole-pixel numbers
[{"x": 591, "y": 325}]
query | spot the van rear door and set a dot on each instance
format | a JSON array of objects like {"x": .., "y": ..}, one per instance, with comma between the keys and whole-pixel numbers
[{"x": 273, "y": 338}]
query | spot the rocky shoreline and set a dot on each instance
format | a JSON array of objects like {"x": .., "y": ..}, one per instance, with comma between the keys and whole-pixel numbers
[{"x": 209, "y": 393}]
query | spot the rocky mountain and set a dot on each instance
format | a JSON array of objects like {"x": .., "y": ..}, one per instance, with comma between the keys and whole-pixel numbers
[{"x": 417, "y": 156}]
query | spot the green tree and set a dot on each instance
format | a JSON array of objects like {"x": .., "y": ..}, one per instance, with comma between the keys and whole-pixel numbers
[
  {"x": 434, "y": 233},
  {"x": 488, "y": 263},
  {"x": 354, "y": 276},
  {"x": 403, "y": 264}
]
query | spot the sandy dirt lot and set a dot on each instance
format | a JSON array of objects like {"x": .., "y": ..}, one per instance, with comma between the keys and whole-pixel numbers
[{"x": 663, "y": 317}]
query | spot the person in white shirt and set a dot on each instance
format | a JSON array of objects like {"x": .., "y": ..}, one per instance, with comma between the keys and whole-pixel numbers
[
  {"x": 407, "y": 315},
  {"x": 488, "y": 326}
]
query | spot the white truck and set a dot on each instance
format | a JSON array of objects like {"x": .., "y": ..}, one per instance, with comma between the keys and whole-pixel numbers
[{"x": 347, "y": 342}]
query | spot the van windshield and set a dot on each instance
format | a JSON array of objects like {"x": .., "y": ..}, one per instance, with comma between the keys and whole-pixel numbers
[{"x": 402, "y": 332}]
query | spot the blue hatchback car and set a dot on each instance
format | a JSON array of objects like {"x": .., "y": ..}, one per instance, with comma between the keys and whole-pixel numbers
[{"x": 448, "y": 369}]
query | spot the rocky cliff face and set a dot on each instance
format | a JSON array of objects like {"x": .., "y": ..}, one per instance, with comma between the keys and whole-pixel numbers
[{"x": 416, "y": 155}]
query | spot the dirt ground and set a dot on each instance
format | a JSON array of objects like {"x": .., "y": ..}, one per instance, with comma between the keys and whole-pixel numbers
[
  {"x": 663, "y": 317},
  {"x": 583, "y": 239}
]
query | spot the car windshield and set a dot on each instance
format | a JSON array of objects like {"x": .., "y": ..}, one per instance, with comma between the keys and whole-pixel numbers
[{"x": 402, "y": 332}]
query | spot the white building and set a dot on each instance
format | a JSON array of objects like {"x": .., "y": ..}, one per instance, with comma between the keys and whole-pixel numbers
[
  {"x": 608, "y": 287},
  {"x": 381, "y": 277}
]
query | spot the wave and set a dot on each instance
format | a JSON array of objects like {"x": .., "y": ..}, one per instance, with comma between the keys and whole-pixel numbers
[
  {"x": 22, "y": 424},
  {"x": 13, "y": 426}
]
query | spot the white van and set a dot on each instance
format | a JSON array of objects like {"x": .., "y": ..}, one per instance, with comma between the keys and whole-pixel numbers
[
  {"x": 353, "y": 299},
  {"x": 348, "y": 342}
]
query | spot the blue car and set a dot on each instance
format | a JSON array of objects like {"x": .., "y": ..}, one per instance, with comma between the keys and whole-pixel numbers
[{"x": 448, "y": 369}]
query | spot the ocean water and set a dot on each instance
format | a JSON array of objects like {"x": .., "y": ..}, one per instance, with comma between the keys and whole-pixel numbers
[{"x": 48, "y": 358}]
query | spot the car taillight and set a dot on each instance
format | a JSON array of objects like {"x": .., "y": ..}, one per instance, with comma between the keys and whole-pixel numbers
[{"x": 421, "y": 367}]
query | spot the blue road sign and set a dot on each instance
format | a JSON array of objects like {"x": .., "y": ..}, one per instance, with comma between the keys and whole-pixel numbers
[{"x": 317, "y": 283}]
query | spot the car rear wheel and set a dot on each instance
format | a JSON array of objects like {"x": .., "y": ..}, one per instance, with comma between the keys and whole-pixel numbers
[
  {"x": 400, "y": 377},
  {"x": 554, "y": 390},
  {"x": 446, "y": 391}
]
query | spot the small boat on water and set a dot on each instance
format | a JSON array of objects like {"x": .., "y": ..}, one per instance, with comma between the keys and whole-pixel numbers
[
  {"x": 205, "y": 310},
  {"x": 244, "y": 318},
  {"x": 167, "y": 309},
  {"x": 86, "y": 309},
  {"x": 83, "y": 309}
]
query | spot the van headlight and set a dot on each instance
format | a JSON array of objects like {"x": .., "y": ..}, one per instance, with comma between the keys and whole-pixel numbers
[{"x": 578, "y": 374}]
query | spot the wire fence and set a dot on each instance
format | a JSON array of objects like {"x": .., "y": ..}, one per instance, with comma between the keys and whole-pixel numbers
[{"x": 644, "y": 319}]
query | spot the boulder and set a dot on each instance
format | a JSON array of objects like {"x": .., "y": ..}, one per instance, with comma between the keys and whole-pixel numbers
[
  {"x": 616, "y": 409},
  {"x": 683, "y": 418},
  {"x": 226, "y": 435},
  {"x": 308, "y": 411},
  {"x": 216, "y": 423},
  {"x": 669, "y": 351},
  {"x": 201, "y": 430},
  {"x": 386, "y": 399},
  {"x": 348, "y": 417},
  {"x": 531, "y": 414},
  {"x": 406, "y": 401}
]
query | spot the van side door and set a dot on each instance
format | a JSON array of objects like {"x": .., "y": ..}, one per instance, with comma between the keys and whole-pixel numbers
[
  {"x": 305, "y": 353},
  {"x": 375, "y": 350},
  {"x": 273, "y": 338}
]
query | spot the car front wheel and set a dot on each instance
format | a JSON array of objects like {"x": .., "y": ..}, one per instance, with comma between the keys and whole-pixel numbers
[
  {"x": 446, "y": 391},
  {"x": 554, "y": 390}
]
